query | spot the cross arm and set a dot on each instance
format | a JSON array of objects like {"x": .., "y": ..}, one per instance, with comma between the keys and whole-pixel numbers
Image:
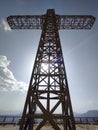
[
  {"x": 63, "y": 21},
  {"x": 25, "y": 21},
  {"x": 75, "y": 21}
]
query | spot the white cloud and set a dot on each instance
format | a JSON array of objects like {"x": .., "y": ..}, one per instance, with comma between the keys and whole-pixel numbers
[
  {"x": 7, "y": 79},
  {"x": 4, "y": 62},
  {"x": 4, "y": 25}
]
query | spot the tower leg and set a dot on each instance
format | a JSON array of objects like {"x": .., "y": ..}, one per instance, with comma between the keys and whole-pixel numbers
[{"x": 48, "y": 99}]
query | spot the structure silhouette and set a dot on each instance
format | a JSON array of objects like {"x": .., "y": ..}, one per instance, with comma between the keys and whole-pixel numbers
[{"x": 48, "y": 98}]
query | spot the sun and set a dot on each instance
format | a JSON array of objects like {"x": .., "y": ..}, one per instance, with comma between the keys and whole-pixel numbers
[{"x": 44, "y": 67}]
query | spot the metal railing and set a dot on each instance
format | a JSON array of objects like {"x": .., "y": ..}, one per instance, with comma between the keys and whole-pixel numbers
[{"x": 16, "y": 119}]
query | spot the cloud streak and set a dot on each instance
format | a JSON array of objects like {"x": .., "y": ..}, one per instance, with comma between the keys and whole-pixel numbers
[{"x": 7, "y": 79}]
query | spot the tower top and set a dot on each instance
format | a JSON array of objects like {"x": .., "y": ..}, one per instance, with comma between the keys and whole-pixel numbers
[{"x": 63, "y": 21}]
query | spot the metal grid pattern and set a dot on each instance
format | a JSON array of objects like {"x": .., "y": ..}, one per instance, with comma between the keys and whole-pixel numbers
[
  {"x": 63, "y": 21},
  {"x": 76, "y": 21},
  {"x": 25, "y": 22}
]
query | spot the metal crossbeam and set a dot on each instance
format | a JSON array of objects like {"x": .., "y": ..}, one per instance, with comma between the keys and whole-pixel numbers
[
  {"x": 63, "y": 21},
  {"x": 25, "y": 22},
  {"x": 76, "y": 21}
]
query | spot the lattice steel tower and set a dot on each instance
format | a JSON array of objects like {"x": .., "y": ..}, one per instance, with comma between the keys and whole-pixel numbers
[{"x": 48, "y": 98}]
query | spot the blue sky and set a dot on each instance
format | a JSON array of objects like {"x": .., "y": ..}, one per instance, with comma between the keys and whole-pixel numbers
[{"x": 18, "y": 50}]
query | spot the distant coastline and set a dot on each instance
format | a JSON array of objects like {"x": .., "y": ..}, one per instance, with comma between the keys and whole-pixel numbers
[{"x": 91, "y": 113}]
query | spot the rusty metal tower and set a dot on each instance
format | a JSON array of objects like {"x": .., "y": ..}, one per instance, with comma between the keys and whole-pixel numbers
[{"x": 48, "y": 97}]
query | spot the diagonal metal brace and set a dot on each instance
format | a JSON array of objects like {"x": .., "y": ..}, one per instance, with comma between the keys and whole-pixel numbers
[{"x": 49, "y": 116}]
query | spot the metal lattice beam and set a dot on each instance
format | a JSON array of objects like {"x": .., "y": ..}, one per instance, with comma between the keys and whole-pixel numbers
[
  {"x": 76, "y": 21},
  {"x": 25, "y": 22},
  {"x": 63, "y": 21}
]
